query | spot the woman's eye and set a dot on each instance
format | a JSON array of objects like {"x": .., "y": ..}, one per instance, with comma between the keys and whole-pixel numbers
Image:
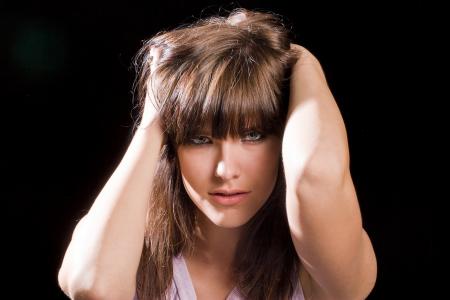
[
  {"x": 199, "y": 140},
  {"x": 250, "y": 136},
  {"x": 254, "y": 136}
]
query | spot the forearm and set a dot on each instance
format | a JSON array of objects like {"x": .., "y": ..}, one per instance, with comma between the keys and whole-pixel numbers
[
  {"x": 106, "y": 247},
  {"x": 322, "y": 206},
  {"x": 315, "y": 139}
]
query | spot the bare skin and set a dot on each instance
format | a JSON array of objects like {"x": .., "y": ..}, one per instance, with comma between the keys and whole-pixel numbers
[
  {"x": 103, "y": 253},
  {"x": 319, "y": 193},
  {"x": 226, "y": 164}
]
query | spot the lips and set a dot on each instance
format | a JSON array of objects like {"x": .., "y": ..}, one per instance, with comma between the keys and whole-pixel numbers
[
  {"x": 227, "y": 194},
  {"x": 223, "y": 192},
  {"x": 229, "y": 198}
]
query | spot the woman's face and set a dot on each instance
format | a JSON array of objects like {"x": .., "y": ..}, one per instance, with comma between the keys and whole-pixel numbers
[{"x": 249, "y": 163}]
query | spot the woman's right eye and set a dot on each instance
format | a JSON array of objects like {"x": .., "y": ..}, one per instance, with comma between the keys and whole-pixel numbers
[{"x": 199, "y": 140}]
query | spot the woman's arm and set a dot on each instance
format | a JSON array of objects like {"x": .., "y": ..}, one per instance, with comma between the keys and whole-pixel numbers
[
  {"x": 322, "y": 205},
  {"x": 103, "y": 256}
]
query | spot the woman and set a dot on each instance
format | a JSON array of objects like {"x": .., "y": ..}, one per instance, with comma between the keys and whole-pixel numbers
[{"x": 236, "y": 184}]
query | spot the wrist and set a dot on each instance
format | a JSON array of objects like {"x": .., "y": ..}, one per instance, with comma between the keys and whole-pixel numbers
[{"x": 152, "y": 126}]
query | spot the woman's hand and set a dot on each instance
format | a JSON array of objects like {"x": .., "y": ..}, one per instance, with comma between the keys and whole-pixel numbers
[
  {"x": 305, "y": 56},
  {"x": 150, "y": 112},
  {"x": 307, "y": 74}
]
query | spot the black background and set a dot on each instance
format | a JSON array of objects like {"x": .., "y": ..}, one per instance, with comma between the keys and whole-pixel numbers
[{"x": 66, "y": 78}]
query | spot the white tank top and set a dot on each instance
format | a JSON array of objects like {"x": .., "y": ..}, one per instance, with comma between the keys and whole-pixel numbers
[{"x": 183, "y": 289}]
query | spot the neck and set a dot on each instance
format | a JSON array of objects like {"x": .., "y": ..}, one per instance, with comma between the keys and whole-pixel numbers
[{"x": 215, "y": 245}]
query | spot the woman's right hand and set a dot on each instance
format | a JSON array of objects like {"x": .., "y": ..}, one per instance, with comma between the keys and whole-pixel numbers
[{"x": 150, "y": 112}]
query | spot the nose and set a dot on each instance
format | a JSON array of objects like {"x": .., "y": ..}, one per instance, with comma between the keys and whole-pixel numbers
[{"x": 227, "y": 167}]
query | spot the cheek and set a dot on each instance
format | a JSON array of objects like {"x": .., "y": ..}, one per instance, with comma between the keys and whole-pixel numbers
[
  {"x": 193, "y": 168},
  {"x": 263, "y": 168},
  {"x": 189, "y": 164}
]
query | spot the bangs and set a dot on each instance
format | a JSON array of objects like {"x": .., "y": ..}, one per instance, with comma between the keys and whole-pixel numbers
[{"x": 230, "y": 99}]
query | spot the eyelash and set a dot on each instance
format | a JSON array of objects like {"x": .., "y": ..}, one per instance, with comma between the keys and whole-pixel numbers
[{"x": 261, "y": 137}]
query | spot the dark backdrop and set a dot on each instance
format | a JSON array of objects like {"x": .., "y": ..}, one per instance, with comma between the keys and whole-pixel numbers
[{"x": 66, "y": 77}]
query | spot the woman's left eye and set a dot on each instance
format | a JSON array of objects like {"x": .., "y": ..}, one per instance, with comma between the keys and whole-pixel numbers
[{"x": 254, "y": 136}]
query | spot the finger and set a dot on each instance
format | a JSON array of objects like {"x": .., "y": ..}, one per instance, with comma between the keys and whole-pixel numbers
[
  {"x": 155, "y": 54},
  {"x": 237, "y": 18}
]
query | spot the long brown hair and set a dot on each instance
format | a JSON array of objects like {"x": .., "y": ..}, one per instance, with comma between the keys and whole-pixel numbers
[{"x": 230, "y": 74}]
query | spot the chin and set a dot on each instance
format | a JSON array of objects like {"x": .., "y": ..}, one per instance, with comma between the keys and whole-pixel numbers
[
  {"x": 229, "y": 221},
  {"x": 230, "y": 225}
]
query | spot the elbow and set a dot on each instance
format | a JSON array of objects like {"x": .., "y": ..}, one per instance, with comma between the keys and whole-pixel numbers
[
  {"x": 367, "y": 276},
  {"x": 370, "y": 269},
  {"x": 365, "y": 290},
  {"x": 110, "y": 293},
  {"x": 84, "y": 287},
  {"x": 77, "y": 288},
  {"x": 62, "y": 283},
  {"x": 87, "y": 295},
  {"x": 97, "y": 294}
]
